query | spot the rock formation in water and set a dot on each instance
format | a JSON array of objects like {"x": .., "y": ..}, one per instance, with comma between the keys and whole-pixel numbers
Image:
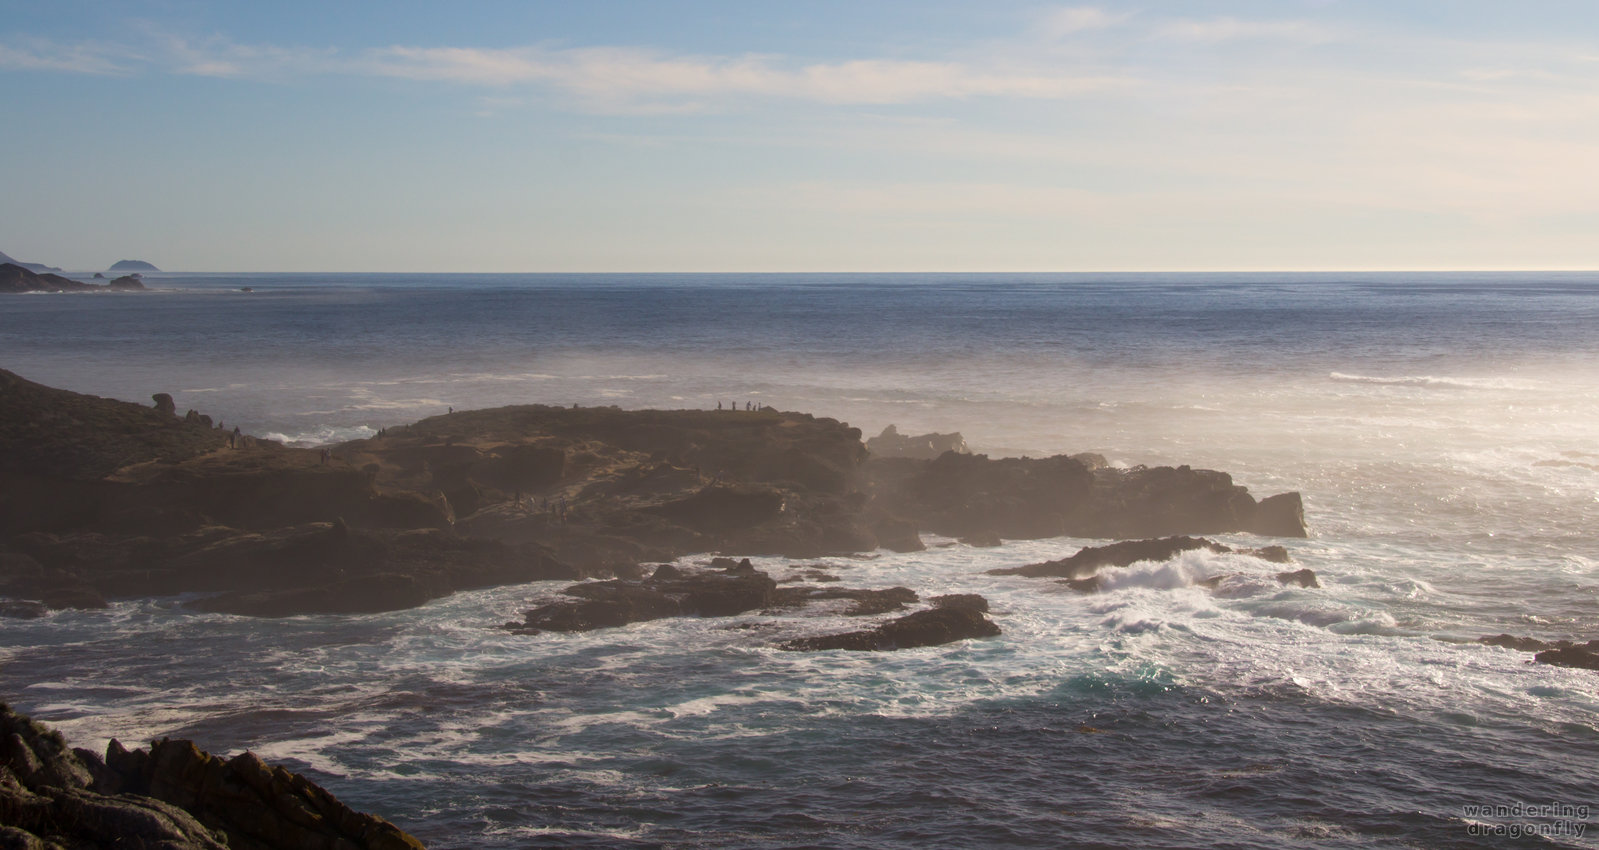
[
  {"x": 173, "y": 797},
  {"x": 1561, "y": 653},
  {"x": 106, "y": 498},
  {"x": 15, "y": 278},
  {"x": 1091, "y": 559},
  {"x": 1080, "y": 570},
  {"x": 132, "y": 266}
]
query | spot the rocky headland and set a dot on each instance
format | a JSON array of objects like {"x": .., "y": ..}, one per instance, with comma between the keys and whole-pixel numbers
[{"x": 102, "y": 498}]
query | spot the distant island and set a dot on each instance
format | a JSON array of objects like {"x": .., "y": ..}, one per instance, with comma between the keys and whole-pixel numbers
[
  {"x": 132, "y": 266},
  {"x": 39, "y": 268},
  {"x": 15, "y": 278}
]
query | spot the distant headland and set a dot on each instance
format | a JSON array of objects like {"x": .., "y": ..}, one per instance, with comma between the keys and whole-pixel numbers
[
  {"x": 15, "y": 278},
  {"x": 132, "y": 266}
]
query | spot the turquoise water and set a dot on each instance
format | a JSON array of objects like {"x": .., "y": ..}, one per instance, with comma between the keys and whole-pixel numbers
[{"x": 1441, "y": 427}]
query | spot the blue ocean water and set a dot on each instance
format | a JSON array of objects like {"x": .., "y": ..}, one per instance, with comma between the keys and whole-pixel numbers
[{"x": 1441, "y": 426}]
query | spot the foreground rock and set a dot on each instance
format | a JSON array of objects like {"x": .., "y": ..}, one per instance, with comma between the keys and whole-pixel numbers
[
  {"x": 174, "y": 797},
  {"x": 933, "y": 627},
  {"x": 1092, "y": 559}
]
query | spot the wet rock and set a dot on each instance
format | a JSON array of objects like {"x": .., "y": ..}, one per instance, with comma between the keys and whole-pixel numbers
[
  {"x": 1303, "y": 578},
  {"x": 1520, "y": 644},
  {"x": 982, "y": 540},
  {"x": 1585, "y": 656},
  {"x": 932, "y": 627}
]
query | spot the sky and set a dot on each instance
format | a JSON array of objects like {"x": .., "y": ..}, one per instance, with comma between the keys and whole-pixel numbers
[{"x": 605, "y": 136}]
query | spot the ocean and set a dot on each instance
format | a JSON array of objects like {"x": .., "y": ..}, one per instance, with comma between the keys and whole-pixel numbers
[{"x": 1442, "y": 427}]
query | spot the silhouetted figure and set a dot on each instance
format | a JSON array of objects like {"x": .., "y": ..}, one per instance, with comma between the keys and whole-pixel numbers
[{"x": 718, "y": 405}]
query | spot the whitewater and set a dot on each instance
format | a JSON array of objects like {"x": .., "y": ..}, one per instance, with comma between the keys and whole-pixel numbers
[{"x": 1442, "y": 428}]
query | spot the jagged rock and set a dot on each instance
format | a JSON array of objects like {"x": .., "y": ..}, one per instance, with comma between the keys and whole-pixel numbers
[
  {"x": 982, "y": 540},
  {"x": 891, "y": 443},
  {"x": 164, "y": 404},
  {"x": 932, "y": 627}
]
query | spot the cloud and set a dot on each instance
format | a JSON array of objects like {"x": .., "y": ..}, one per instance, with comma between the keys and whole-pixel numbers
[
  {"x": 1220, "y": 30},
  {"x": 1075, "y": 19},
  {"x": 617, "y": 74},
  {"x": 84, "y": 58}
]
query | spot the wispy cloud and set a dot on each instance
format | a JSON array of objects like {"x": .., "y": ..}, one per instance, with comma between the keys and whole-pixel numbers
[
  {"x": 610, "y": 75},
  {"x": 1061, "y": 23},
  {"x": 82, "y": 58},
  {"x": 1219, "y": 30}
]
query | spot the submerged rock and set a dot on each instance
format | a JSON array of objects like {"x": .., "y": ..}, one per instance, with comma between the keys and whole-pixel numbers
[
  {"x": 671, "y": 592},
  {"x": 1091, "y": 559},
  {"x": 932, "y": 627}
]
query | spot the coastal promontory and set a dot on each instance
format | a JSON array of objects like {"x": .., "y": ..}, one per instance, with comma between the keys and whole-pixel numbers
[{"x": 103, "y": 499}]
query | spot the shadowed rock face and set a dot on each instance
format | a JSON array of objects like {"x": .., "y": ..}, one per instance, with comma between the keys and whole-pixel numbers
[{"x": 174, "y": 797}]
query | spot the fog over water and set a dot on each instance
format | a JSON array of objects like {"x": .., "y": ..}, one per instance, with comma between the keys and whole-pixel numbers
[{"x": 1443, "y": 428}]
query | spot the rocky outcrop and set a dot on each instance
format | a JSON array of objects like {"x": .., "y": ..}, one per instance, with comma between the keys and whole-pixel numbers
[
  {"x": 1561, "y": 653},
  {"x": 132, "y": 266},
  {"x": 891, "y": 443},
  {"x": 1092, "y": 559},
  {"x": 173, "y": 797},
  {"x": 933, "y": 627},
  {"x": 670, "y": 592}
]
